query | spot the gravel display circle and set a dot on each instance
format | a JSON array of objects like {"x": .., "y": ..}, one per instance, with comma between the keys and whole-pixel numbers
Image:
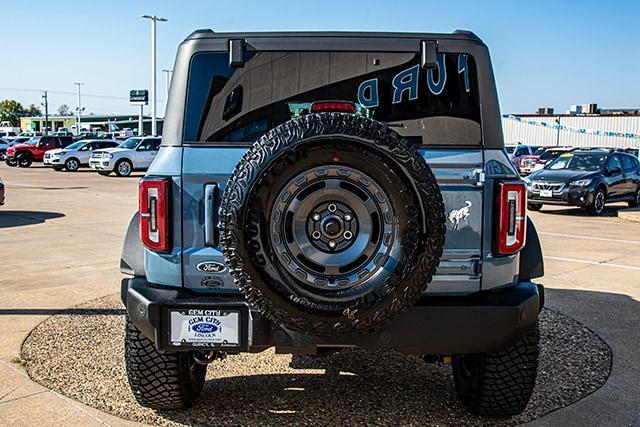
[{"x": 79, "y": 353}]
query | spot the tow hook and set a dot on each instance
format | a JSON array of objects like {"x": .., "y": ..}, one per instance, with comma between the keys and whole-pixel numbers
[{"x": 206, "y": 357}]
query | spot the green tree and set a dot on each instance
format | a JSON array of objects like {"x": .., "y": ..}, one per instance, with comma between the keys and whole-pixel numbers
[
  {"x": 64, "y": 110},
  {"x": 33, "y": 111},
  {"x": 11, "y": 111}
]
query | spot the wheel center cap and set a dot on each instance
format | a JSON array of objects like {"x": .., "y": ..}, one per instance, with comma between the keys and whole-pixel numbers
[{"x": 332, "y": 227}]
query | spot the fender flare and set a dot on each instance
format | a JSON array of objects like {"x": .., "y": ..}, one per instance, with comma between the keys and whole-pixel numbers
[
  {"x": 531, "y": 261},
  {"x": 132, "y": 258}
]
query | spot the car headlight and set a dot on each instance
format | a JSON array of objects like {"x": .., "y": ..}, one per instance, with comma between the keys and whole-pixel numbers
[
  {"x": 580, "y": 182},
  {"x": 108, "y": 156}
]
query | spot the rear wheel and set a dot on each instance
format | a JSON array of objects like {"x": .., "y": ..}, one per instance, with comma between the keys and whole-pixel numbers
[
  {"x": 161, "y": 380},
  {"x": 599, "y": 201},
  {"x": 498, "y": 384},
  {"x": 534, "y": 206},
  {"x": 123, "y": 168},
  {"x": 72, "y": 165}
]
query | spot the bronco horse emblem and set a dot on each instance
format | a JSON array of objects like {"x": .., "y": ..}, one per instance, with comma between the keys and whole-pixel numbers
[{"x": 457, "y": 215}]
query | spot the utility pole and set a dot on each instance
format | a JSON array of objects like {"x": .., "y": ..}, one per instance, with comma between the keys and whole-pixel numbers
[
  {"x": 79, "y": 109},
  {"x": 46, "y": 112},
  {"x": 154, "y": 19},
  {"x": 168, "y": 76}
]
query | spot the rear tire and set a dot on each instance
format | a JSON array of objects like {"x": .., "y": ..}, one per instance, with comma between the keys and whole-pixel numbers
[
  {"x": 534, "y": 206},
  {"x": 498, "y": 384},
  {"x": 123, "y": 168},
  {"x": 598, "y": 205},
  {"x": 161, "y": 381}
]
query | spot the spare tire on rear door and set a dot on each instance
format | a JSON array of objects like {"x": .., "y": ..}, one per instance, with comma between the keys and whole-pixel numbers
[{"x": 332, "y": 224}]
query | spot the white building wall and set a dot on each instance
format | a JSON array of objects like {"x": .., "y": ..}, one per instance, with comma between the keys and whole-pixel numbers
[{"x": 525, "y": 133}]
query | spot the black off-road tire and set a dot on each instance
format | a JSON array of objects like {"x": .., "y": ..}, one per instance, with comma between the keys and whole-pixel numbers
[
  {"x": 534, "y": 206},
  {"x": 498, "y": 384},
  {"x": 161, "y": 381},
  {"x": 311, "y": 143}
]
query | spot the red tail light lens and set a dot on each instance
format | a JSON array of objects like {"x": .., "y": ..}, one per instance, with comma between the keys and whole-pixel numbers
[
  {"x": 342, "y": 107},
  {"x": 512, "y": 217},
  {"x": 154, "y": 213}
]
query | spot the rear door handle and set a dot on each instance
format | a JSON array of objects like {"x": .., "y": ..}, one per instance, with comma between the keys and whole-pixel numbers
[{"x": 211, "y": 205}]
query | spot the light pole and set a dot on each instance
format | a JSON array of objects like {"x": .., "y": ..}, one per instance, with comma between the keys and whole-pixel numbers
[
  {"x": 168, "y": 76},
  {"x": 79, "y": 109},
  {"x": 154, "y": 19}
]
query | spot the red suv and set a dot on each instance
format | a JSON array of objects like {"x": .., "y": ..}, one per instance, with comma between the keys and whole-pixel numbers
[{"x": 33, "y": 150}]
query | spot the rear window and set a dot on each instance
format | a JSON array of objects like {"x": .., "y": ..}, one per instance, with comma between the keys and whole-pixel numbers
[{"x": 438, "y": 106}]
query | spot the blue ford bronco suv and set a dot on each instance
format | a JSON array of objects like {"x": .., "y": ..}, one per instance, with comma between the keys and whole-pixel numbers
[{"x": 320, "y": 191}]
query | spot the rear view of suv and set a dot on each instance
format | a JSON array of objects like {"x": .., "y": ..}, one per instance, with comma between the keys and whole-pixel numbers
[{"x": 321, "y": 191}]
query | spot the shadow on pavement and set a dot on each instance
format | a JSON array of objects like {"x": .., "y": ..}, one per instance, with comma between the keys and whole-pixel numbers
[
  {"x": 610, "y": 211},
  {"x": 20, "y": 218},
  {"x": 63, "y": 311}
]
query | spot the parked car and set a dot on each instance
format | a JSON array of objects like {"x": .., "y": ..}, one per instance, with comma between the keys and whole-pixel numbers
[
  {"x": 1, "y": 192},
  {"x": 85, "y": 135},
  {"x": 4, "y": 144},
  {"x": 519, "y": 152},
  {"x": 63, "y": 133},
  {"x": 528, "y": 164},
  {"x": 320, "y": 224},
  {"x": 25, "y": 154},
  {"x": 29, "y": 134},
  {"x": 133, "y": 154},
  {"x": 588, "y": 179},
  {"x": 7, "y": 134},
  {"x": 76, "y": 155}
]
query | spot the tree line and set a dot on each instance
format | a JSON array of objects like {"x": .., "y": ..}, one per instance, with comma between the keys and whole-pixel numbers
[{"x": 11, "y": 111}]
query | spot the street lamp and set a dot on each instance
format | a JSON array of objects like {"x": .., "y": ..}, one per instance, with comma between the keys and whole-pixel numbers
[
  {"x": 79, "y": 109},
  {"x": 154, "y": 19}
]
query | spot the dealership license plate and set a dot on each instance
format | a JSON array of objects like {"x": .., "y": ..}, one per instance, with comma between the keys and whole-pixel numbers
[
  {"x": 546, "y": 193},
  {"x": 205, "y": 328}
]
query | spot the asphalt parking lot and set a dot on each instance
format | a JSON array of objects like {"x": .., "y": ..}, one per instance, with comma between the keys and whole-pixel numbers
[{"x": 61, "y": 235}]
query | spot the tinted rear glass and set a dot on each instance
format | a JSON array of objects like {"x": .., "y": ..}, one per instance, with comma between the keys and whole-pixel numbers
[{"x": 437, "y": 106}]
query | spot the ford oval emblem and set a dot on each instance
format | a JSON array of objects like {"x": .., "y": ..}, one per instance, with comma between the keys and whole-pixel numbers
[
  {"x": 204, "y": 328},
  {"x": 211, "y": 267}
]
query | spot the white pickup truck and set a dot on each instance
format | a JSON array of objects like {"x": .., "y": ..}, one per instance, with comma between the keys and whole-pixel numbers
[{"x": 133, "y": 154}]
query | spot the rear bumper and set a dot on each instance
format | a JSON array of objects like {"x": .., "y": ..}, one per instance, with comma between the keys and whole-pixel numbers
[{"x": 480, "y": 323}]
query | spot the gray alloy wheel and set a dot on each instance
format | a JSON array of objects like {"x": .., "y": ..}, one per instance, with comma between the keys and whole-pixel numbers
[
  {"x": 72, "y": 165},
  {"x": 333, "y": 231},
  {"x": 124, "y": 168}
]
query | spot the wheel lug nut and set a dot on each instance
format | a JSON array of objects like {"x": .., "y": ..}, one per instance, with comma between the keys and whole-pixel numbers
[
  {"x": 316, "y": 217},
  {"x": 315, "y": 235},
  {"x": 347, "y": 217},
  {"x": 347, "y": 235},
  {"x": 332, "y": 207},
  {"x": 332, "y": 244}
]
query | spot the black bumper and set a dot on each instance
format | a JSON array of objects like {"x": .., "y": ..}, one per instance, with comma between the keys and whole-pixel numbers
[
  {"x": 571, "y": 196},
  {"x": 484, "y": 322}
]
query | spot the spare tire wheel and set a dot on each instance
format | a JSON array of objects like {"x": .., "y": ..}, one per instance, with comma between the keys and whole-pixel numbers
[{"x": 332, "y": 224}]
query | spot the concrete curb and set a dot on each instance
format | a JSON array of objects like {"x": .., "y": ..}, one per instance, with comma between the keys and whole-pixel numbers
[{"x": 632, "y": 214}]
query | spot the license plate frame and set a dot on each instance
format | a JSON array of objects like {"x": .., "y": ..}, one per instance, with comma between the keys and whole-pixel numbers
[
  {"x": 546, "y": 193},
  {"x": 205, "y": 327}
]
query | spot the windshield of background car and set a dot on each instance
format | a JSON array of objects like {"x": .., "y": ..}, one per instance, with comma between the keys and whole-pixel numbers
[
  {"x": 32, "y": 141},
  {"x": 76, "y": 145},
  {"x": 437, "y": 106},
  {"x": 578, "y": 162},
  {"x": 130, "y": 143},
  {"x": 550, "y": 154},
  {"x": 539, "y": 151}
]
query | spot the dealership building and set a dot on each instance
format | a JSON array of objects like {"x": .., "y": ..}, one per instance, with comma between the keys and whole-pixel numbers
[
  {"x": 107, "y": 123},
  {"x": 581, "y": 126}
]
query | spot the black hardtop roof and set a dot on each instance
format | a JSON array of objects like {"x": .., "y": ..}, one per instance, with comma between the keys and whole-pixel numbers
[{"x": 463, "y": 35}]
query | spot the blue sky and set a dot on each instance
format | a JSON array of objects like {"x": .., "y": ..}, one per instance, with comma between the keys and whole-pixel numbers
[{"x": 545, "y": 53}]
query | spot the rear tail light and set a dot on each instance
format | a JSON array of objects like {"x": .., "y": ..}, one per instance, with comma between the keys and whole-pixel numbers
[
  {"x": 328, "y": 106},
  {"x": 154, "y": 213},
  {"x": 512, "y": 217}
]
